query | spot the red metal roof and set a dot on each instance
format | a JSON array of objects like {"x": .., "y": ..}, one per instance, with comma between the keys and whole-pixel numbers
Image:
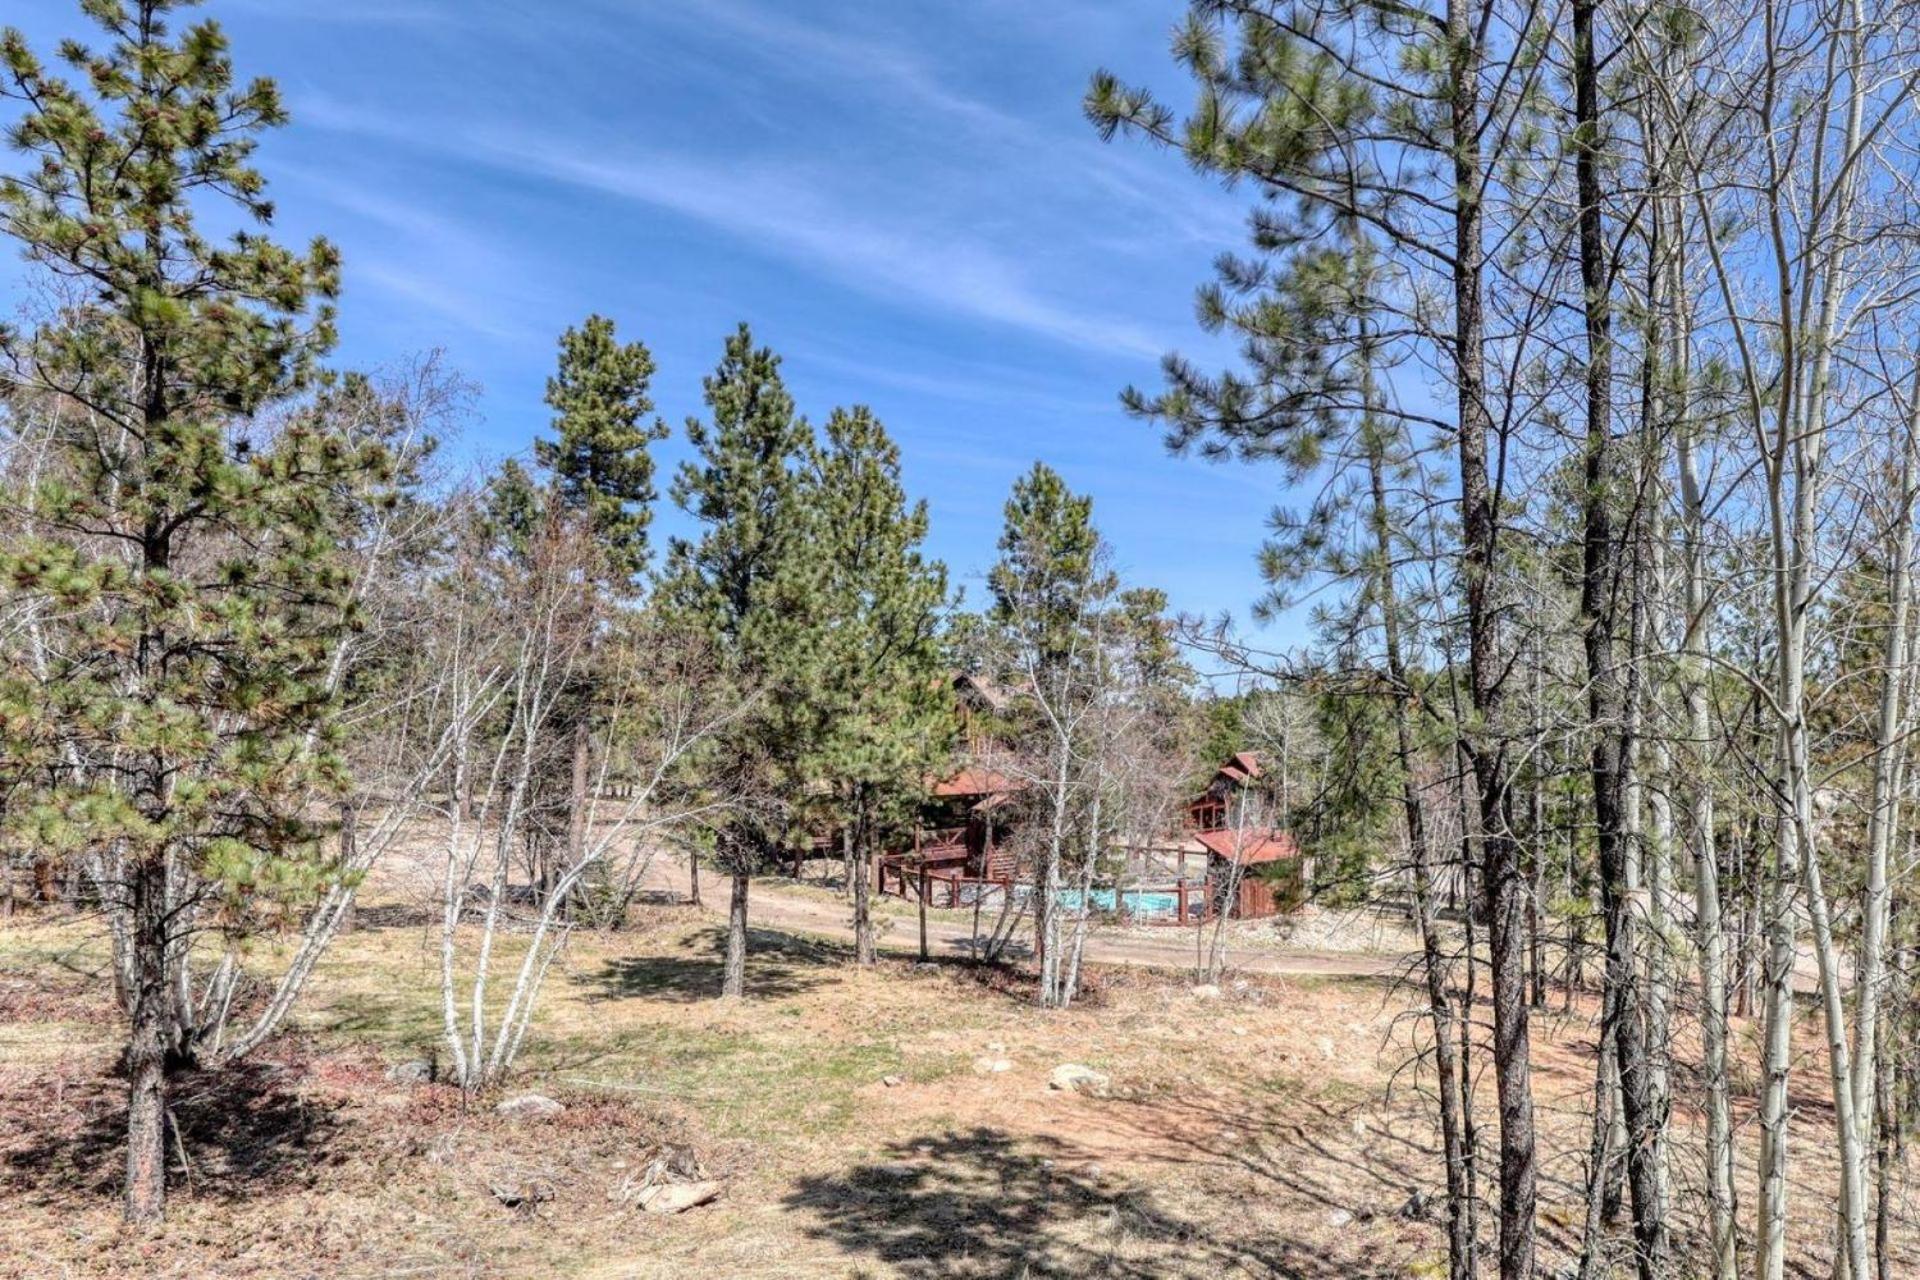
[
  {"x": 1250, "y": 847},
  {"x": 1242, "y": 766},
  {"x": 975, "y": 780}
]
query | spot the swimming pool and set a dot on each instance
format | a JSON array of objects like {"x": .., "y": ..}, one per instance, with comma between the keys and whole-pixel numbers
[{"x": 1139, "y": 902}]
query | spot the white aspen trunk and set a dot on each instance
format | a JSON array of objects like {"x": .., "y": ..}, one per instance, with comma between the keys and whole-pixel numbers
[
  {"x": 1658, "y": 867},
  {"x": 1793, "y": 601},
  {"x": 1777, "y": 1058},
  {"x": 1047, "y": 908},
  {"x": 1697, "y": 787},
  {"x": 1889, "y": 752},
  {"x": 1070, "y": 983}
]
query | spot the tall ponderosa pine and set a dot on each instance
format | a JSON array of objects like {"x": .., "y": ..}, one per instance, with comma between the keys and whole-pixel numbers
[
  {"x": 601, "y": 459},
  {"x": 740, "y": 485},
  {"x": 176, "y": 714},
  {"x": 1401, "y": 123},
  {"x": 1048, "y": 560},
  {"x": 861, "y": 610},
  {"x": 600, "y": 472}
]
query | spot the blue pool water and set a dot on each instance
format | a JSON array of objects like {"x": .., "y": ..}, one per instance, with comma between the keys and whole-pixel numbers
[{"x": 1141, "y": 902}]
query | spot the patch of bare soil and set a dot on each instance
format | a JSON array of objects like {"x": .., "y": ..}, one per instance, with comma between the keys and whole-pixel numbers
[
  {"x": 898, "y": 1121},
  {"x": 316, "y": 1163}
]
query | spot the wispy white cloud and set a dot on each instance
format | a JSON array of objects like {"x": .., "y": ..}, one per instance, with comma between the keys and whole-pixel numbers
[
  {"x": 429, "y": 259},
  {"x": 811, "y": 48},
  {"x": 930, "y": 266},
  {"x": 973, "y": 383},
  {"x": 791, "y": 211}
]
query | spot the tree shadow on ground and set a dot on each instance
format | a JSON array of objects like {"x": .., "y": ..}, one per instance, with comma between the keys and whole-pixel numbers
[
  {"x": 779, "y": 966},
  {"x": 393, "y": 915},
  {"x": 237, "y": 1133},
  {"x": 984, "y": 1203}
]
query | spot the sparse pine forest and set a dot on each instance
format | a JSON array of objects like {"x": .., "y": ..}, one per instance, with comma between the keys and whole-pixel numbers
[{"x": 641, "y": 854}]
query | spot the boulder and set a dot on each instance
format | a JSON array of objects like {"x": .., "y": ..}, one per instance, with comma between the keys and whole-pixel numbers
[
  {"x": 1206, "y": 991},
  {"x": 1072, "y": 1077},
  {"x": 892, "y": 1082},
  {"x": 417, "y": 1071},
  {"x": 535, "y": 1105},
  {"x": 677, "y": 1197},
  {"x": 991, "y": 1065}
]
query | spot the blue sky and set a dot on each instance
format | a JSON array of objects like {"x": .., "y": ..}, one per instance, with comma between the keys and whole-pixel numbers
[{"x": 900, "y": 196}]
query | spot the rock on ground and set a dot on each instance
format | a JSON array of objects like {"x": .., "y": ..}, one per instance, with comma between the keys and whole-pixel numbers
[
  {"x": 418, "y": 1071},
  {"x": 677, "y": 1197},
  {"x": 537, "y": 1105},
  {"x": 1072, "y": 1077}
]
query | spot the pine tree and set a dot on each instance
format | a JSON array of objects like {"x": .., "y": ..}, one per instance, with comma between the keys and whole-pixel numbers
[
  {"x": 600, "y": 462},
  {"x": 600, "y": 474},
  {"x": 1048, "y": 564},
  {"x": 741, "y": 484},
  {"x": 861, "y": 614},
  {"x": 176, "y": 719},
  {"x": 1049, "y": 590}
]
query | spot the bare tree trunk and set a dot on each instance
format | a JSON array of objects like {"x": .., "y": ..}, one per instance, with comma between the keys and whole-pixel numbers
[
  {"x": 1047, "y": 904},
  {"x": 848, "y": 872},
  {"x": 1777, "y": 1058},
  {"x": 1503, "y": 878},
  {"x": 147, "y": 1045},
  {"x": 1537, "y": 891},
  {"x": 1696, "y": 787},
  {"x": 1608, "y": 703},
  {"x": 1077, "y": 944},
  {"x": 576, "y": 801},
  {"x": 1460, "y": 1241},
  {"x": 1469, "y": 1127},
  {"x": 1889, "y": 756},
  {"x": 861, "y": 874},
  {"x": 924, "y": 889},
  {"x": 733, "y": 981},
  {"x": 1600, "y": 1144}
]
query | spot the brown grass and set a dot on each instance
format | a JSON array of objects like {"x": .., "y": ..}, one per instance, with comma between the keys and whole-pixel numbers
[{"x": 1275, "y": 1132}]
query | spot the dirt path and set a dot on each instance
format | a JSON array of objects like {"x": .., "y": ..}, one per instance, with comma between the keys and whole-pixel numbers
[{"x": 770, "y": 907}]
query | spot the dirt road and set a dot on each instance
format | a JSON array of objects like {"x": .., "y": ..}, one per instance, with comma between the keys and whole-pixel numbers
[{"x": 794, "y": 912}]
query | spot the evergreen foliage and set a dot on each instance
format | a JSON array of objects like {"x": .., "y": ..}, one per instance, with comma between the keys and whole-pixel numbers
[
  {"x": 176, "y": 722},
  {"x": 740, "y": 485},
  {"x": 870, "y": 705},
  {"x": 1048, "y": 567},
  {"x": 599, "y": 459}
]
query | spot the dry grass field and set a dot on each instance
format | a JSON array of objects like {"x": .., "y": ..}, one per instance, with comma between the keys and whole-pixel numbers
[{"x": 1277, "y": 1131}]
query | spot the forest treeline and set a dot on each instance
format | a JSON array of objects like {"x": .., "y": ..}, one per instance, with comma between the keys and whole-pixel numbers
[
  {"x": 1585, "y": 329},
  {"x": 1589, "y": 328}
]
